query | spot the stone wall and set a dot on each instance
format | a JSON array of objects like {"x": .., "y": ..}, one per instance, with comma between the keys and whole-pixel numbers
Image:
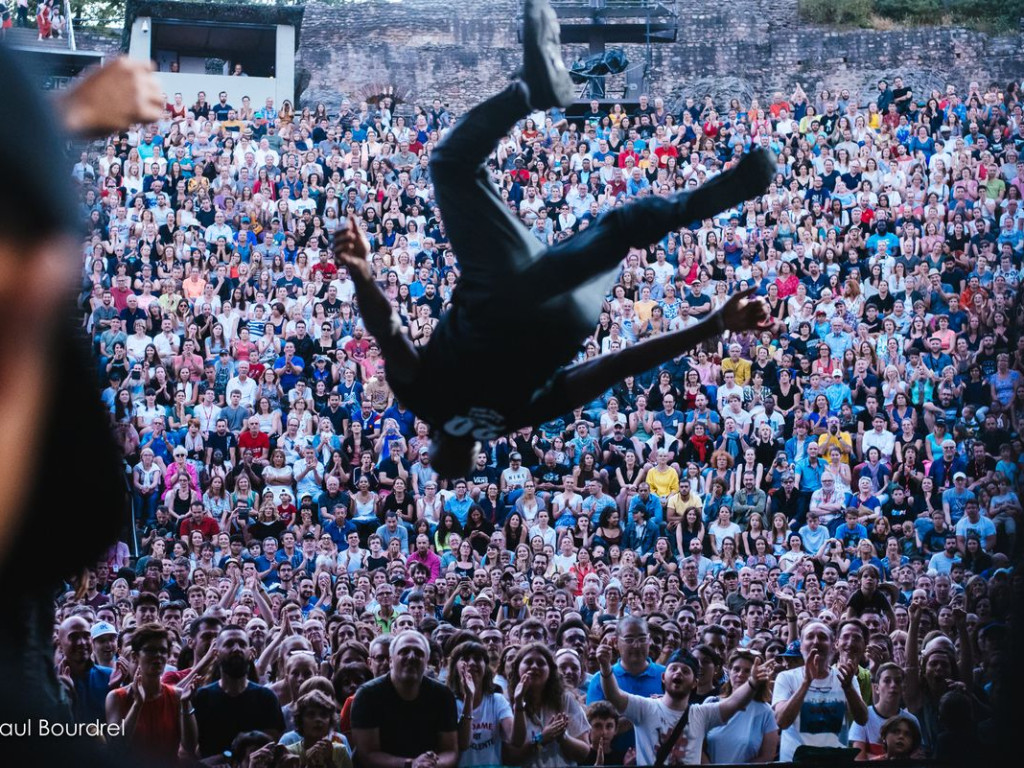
[{"x": 462, "y": 50}]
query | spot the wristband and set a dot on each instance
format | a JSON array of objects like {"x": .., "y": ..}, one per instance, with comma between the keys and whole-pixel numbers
[{"x": 538, "y": 739}]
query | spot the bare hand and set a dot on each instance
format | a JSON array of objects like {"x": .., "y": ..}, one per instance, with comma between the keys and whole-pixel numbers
[
  {"x": 810, "y": 666},
  {"x": 761, "y": 673},
  {"x": 899, "y": 655},
  {"x": 604, "y": 656},
  {"x": 426, "y": 760},
  {"x": 122, "y": 672},
  {"x": 185, "y": 690},
  {"x": 64, "y": 675},
  {"x": 351, "y": 248},
  {"x": 114, "y": 97},
  {"x": 847, "y": 673},
  {"x": 524, "y": 683},
  {"x": 555, "y": 729},
  {"x": 137, "y": 690},
  {"x": 468, "y": 687},
  {"x": 286, "y": 624},
  {"x": 262, "y": 757},
  {"x": 320, "y": 754},
  {"x": 744, "y": 313}
]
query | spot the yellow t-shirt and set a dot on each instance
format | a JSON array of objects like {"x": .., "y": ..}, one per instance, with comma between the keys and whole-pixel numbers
[
  {"x": 663, "y": 483},
  {"x": 826, "y": 441},
  {"x": 643, "y": 310},
  {"x": 740, "y": 367},
  {"x": 677, "y": 506}
]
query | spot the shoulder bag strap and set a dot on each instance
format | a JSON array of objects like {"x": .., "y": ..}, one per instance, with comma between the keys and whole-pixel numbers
[{"x": 670, "y": 742}]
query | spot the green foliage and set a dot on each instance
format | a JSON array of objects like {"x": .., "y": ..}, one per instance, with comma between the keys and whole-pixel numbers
[
  {"x": 838, "y": 12},
  {"x": 103, "y": 13},
  {"x": 992, "y": 15},
  {"x": 914, "y": 10}
]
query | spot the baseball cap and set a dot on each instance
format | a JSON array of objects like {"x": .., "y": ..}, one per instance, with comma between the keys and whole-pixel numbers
[
  {"x": 959, "y": 476},
  {"x": 515, "y": 456},
  {"x": 101, "y": 628},
  {"x": 792, "y": 651},
  {"x": 684, "y": 657}
]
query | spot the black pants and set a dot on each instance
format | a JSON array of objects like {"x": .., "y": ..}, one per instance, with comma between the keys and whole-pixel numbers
[
  {"x": 502, "y": 263},
  {"x": 533, "y": 304}
]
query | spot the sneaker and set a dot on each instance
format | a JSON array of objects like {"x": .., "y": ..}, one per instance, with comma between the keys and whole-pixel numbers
[{"x": 543, "y": 71}]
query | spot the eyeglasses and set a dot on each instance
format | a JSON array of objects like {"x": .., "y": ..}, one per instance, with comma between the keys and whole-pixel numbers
[{"x": 635, "y": 641}]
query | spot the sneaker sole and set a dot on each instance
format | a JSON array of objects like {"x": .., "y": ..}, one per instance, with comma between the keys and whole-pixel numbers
[{"x": 543, "y": 68}]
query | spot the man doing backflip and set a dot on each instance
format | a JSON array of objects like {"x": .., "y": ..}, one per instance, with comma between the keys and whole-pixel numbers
[{"x": 522, "y": 307}]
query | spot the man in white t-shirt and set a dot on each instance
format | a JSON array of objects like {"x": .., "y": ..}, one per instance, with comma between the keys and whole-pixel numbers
[
  {"x": 655, "y": 719},
  {"x": 344, "y": 285},
  {"x": 814, "y": 705}
]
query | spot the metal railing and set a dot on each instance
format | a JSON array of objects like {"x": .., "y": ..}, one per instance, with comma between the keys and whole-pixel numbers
[{"x": 69, "y": 25}]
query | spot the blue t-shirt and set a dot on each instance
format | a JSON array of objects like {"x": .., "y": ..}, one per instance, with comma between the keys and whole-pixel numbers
[
  {"x": 983, "y": 528},
  {"x": 850, "y": 535},
  {"x": 813, "y": 541},
  {"x": 91, "y": 695},
  {"x": 956, "y": 502},
  {"x": 459, "y": 508}
]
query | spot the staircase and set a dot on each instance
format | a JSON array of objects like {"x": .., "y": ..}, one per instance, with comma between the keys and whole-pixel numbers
[{"x": 28, "y": 38}]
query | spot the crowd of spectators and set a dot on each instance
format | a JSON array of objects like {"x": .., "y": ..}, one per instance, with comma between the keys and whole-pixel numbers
[{"x": 827, "y": 511}]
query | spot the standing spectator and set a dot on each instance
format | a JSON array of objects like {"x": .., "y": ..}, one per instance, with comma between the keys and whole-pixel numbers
[
  {"x": 234, "y": 704},
  {"x": 635, "y": 673},
  {"x": 485, "y": 716},
  {"x": 670, "y": 730},
  {"x": 158, "y": 718},
  {"x": 814, "y": 705},
  {"x": 549, "y": 726},
  {"x": 84, "y": 682},
  {"x": 404, "y": 716},
  {"x": 751, "y": 735}
]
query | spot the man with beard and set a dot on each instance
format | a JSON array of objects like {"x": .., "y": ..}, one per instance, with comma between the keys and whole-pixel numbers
[
  {"x": 656, "y": 721},
  {"x": 405, "y": 717},
  {"x": 234, "y": 704}
]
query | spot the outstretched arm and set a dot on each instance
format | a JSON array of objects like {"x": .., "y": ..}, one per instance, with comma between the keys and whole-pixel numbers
[
  {"x": 351, "y": 250},
  {"x": 585, "y": 381},
  {"x": 111, "y": 98}
]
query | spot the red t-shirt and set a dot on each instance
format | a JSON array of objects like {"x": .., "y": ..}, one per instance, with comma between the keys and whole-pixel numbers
[
  {"x": 259, "y": 445},
  {"x": 207, "y": 526}
]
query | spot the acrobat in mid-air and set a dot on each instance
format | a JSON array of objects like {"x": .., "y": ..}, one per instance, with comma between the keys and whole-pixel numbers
[{"x": 522, "y": 309}]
